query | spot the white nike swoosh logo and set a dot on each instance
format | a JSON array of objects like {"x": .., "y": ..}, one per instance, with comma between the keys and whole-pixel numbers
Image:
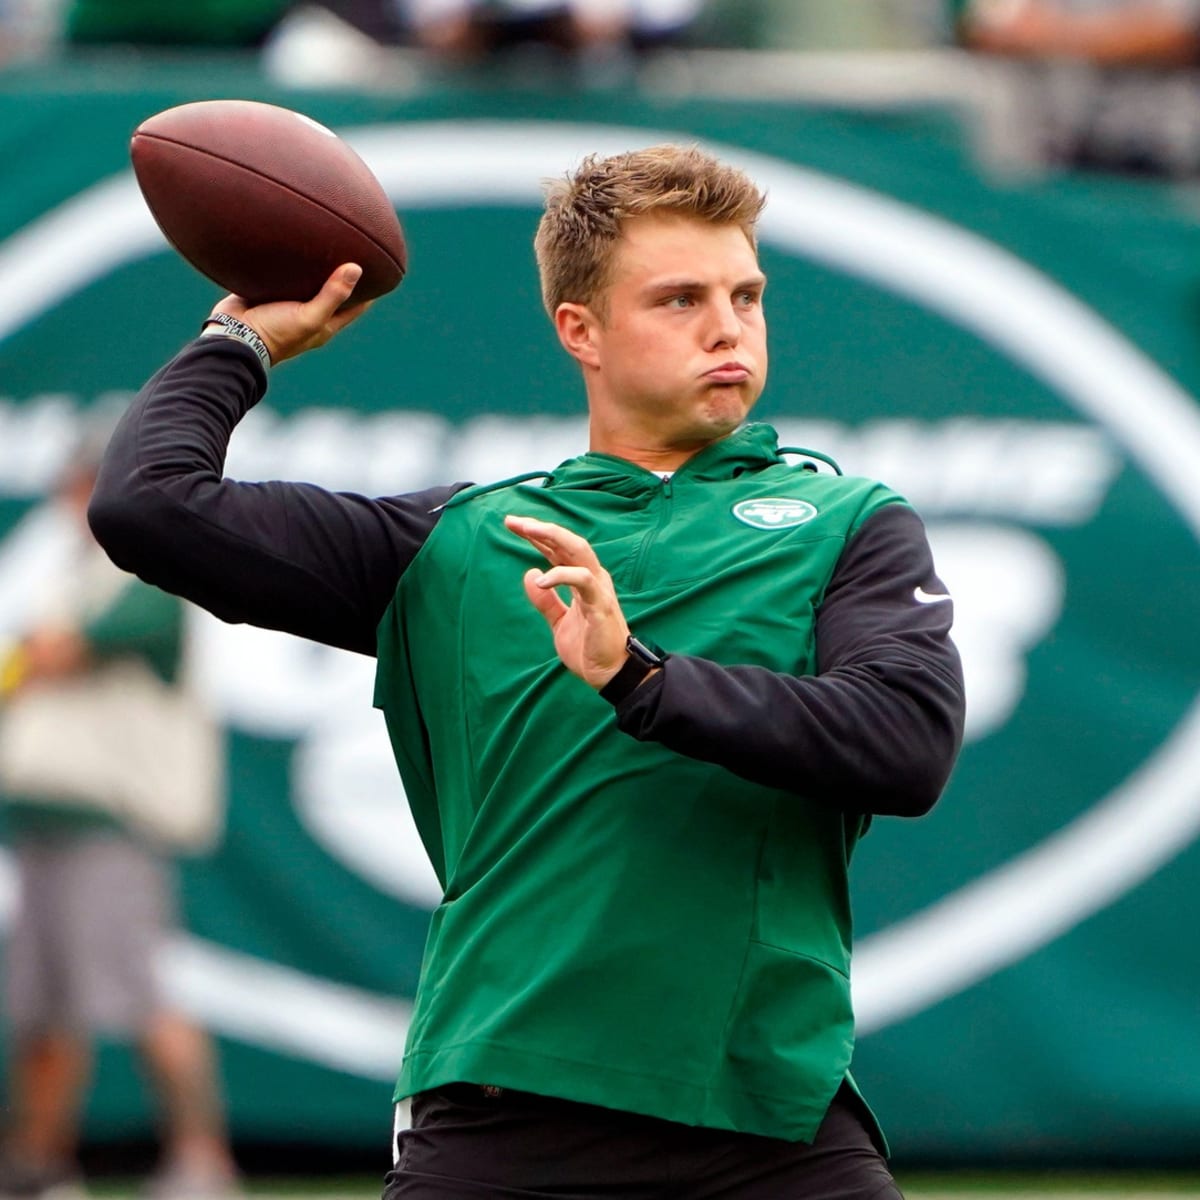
[{"x": 923, "y": 597}]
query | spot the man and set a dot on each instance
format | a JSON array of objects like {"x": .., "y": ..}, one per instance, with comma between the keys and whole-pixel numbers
[
  {"x": 1112, "y": 32},
  {"x": 469, "y": 29},
  {"x": 1104, "y": 85},
  {"x": 637, "y": 982},
  {"x": 108, "y": 769}
]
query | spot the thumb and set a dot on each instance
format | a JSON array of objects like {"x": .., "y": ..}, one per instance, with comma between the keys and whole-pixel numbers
[
  {"x": 546, "y": 600},
  {"x": 336, "y": 291}
]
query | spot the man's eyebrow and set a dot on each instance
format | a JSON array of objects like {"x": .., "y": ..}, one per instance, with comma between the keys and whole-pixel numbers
[
  {"x": 676, "y": 285},
  {"x": 682, "y": 284}
]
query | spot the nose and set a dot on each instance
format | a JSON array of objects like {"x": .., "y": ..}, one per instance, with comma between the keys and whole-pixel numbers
[{"x": 725, "y": 329}]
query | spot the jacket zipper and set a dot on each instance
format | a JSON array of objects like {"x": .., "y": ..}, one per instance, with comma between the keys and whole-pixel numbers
[{"x": 636, "y": 576}]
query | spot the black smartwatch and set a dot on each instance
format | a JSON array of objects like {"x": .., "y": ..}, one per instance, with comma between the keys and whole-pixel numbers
[{"x": 642, "y": 660}]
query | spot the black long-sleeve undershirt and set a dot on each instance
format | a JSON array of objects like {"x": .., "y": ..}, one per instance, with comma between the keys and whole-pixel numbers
[
  {"x": 288, "y": 556},
  {"x": 876, "y": 730}
]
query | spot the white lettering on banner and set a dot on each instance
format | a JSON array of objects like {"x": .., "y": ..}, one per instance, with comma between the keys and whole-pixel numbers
[
  {"x": 968, "y": 281},
  {"x": 979, "y": 466},
  {"x": 495, "y": 447},
  {"x": 377, "y": 454},
  {"x": 1041, "y": 472}
]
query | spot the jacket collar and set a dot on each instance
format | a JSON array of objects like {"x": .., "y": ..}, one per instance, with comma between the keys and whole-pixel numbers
[{"x": 750, "y": 448}]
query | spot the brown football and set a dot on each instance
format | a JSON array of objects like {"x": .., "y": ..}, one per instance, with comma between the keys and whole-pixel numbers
[{"x": 265, "y": 201}]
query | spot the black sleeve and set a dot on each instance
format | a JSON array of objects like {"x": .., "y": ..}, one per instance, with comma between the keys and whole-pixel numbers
[
  {"x": 876, "y": 730},
  {"x": 289, "y": 556}
]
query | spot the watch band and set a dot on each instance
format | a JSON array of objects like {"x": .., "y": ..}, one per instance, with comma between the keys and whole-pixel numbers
[
  {"x": 232, "y": 327},
  {"x": 642, "y": 660}
]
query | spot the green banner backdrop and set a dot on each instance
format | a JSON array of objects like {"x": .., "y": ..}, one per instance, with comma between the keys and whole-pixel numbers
[{"x": 1018, "y": 358}]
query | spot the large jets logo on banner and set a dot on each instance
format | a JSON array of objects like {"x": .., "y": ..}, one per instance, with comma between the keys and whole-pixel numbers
[{"x": 1009, "y": 585}]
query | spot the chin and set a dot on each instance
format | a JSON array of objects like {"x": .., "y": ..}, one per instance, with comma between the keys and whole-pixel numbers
[
  {"x": 705, "y": 433},
  {"x": 725, "y": 414}
]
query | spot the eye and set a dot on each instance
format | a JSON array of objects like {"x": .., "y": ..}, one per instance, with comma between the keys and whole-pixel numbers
[
  {"x": 748, "y": 299},
  {"x": 680, "y": 301}
]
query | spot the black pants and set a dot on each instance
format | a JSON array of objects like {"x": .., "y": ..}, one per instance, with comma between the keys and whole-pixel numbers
[{"x": 466, "y": 1143}]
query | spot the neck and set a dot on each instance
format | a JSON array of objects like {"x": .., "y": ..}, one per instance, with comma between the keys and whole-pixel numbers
[
  {"x": 650, "y": 457},
  {"x": 645, "y": 450}
]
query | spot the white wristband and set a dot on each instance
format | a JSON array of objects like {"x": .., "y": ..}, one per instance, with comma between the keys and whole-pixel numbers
[{"x": 232, "y": 327}]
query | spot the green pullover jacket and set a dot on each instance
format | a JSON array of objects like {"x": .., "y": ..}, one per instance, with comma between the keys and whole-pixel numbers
[{"x": 624, "y": 924}]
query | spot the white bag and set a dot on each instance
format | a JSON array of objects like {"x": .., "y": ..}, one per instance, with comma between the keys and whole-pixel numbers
[{"x": 118, "y": 740}]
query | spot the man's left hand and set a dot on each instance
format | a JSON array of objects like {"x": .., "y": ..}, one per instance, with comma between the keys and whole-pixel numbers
[{"x": 590, "y": 632}]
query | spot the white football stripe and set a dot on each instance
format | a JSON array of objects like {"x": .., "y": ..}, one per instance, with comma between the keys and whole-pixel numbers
[{"x": 286, "y": 1010}]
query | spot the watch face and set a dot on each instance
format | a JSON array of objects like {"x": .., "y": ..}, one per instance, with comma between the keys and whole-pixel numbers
[{"x": 638, "y": 649}]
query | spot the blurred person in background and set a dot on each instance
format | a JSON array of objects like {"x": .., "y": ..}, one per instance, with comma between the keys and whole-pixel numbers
[
  {"x": 1108, "y": 32},
  {"x": 832, "y": 25},
  {"x": 467, "y": 31},
  {"x": 29, "y": 29},
  {"x": 109, "y": 767},
  {"x": 1108, "y": 85}
]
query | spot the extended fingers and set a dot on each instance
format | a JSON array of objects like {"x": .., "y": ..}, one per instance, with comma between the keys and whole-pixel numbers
[
  {"x": 559, "y": 545},
  {"x": 580, "y": 579}
]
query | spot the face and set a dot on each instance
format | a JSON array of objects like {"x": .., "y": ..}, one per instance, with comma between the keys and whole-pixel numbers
[{"x": 678, "y": 356}]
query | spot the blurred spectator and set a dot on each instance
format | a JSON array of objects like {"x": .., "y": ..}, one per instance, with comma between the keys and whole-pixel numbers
[
  {"x": 108, "y": 767},
  {"x": 1112, "y": 32},
  {"x": 837, "y": 25},
  {"x": 467, "y": 31},
  {"x": 1099, "y": 84},
  {"x": 28, "y": 28}
]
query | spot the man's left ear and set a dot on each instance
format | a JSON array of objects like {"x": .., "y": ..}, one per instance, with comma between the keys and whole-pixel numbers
[{"x": 575, "y": 324}]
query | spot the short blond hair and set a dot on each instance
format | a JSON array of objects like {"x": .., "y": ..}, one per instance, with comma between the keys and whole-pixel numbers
[{"x": 585, "y": 211}]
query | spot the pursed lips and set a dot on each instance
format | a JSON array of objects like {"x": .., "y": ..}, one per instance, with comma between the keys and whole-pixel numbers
[{"x": 728, "y": 372}]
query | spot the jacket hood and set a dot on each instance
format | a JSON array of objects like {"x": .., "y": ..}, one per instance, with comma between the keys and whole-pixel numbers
[{"x": 750, "y": 448}]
